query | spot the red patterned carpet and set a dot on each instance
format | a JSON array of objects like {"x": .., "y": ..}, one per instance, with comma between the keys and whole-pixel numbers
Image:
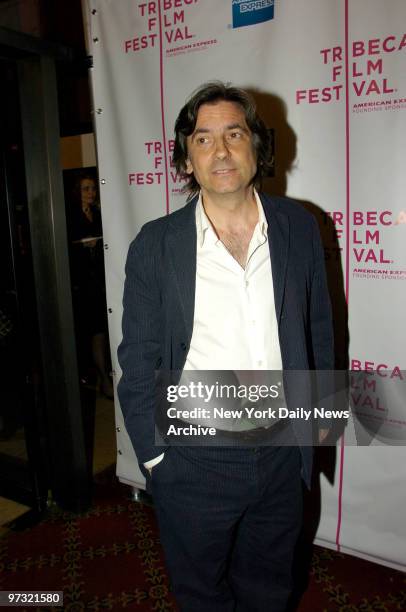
[{"x": 110, "y": 559}]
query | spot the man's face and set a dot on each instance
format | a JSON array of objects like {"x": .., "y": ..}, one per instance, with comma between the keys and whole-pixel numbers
[{"x": 220, "y": 151}]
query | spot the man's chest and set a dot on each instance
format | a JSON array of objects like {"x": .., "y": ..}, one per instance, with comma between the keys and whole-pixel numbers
[{"x": 237, "y": 244}]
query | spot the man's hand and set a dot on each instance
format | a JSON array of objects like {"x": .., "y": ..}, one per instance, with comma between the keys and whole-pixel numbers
[{"x": 323, "y": 433}]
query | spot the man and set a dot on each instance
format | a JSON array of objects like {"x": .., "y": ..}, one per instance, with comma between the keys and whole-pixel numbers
[{"x": 233, "y": 281}]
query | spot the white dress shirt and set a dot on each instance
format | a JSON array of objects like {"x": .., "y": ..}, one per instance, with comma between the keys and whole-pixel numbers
[{"x": 235, "y": 325}]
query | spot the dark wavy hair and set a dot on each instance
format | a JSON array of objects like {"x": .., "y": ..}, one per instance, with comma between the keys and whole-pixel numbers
[{"x": 211, "y": 93}]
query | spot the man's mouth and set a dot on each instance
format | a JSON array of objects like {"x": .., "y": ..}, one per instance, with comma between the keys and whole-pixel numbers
[{"x": 223, "y": 171}]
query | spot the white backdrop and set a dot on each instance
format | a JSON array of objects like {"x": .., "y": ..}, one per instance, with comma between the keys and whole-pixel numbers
[{"x": 330, "y": 78}]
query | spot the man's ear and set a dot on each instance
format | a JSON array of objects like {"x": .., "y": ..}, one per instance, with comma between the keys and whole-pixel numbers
[{"x": 189, "y": 167}]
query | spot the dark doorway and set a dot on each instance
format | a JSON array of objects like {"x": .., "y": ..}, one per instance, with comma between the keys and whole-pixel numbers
[
  {"x": 23, "y": 465},
  {"x": 40, "y": 387}
]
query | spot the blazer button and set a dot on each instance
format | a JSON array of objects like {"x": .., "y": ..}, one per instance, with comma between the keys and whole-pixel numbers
[{"x": 183, "y": 346}]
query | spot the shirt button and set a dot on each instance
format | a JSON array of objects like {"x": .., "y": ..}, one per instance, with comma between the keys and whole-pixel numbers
[
  {"x": 246, "y": 283},
  {"x": 183, "y": 346},
  {"x": 260, "y": 362}
]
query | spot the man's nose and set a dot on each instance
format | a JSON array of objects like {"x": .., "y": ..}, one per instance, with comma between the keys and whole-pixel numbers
[{"x": 221, "y": 151}]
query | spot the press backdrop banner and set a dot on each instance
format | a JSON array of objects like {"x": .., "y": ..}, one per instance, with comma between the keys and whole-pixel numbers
[{"x": 329, "y": 77}]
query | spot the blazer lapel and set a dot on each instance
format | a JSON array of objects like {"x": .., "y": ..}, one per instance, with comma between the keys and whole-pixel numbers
[
  {"x": 182, "y": 247},
  {"x": 278, "y": 236}
]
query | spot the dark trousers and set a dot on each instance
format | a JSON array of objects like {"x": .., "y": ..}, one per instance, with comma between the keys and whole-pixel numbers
[{"x": 229, "y": 519}]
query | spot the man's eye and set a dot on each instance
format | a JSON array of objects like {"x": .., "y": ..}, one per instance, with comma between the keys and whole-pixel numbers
[
  {"x": 202, "y": 140},
  {"x": 235, "y": 135}
]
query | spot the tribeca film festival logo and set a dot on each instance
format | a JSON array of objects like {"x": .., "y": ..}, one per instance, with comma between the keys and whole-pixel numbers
[
  {"x": 368, "y": 252},
  {"x": 176, "y": 31},
  {"x": 377, "y": 400},
  {"x": 250, "y": 12},
  {"x": 366, "y": 72},
  {"x": 154, "y": 152},
  {"x": 367, "y": 238},
  {"x": 332, "y": 248}
]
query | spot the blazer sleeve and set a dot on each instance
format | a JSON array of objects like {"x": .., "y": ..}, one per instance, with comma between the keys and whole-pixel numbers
[
  {"x": 322, "y": 331},
  {"x": 139, "y": 351},
  {"x": 320, "y": 308}
]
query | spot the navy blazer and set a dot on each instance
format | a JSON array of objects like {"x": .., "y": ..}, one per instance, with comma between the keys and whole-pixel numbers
[{"x": 159, "y": 299}]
